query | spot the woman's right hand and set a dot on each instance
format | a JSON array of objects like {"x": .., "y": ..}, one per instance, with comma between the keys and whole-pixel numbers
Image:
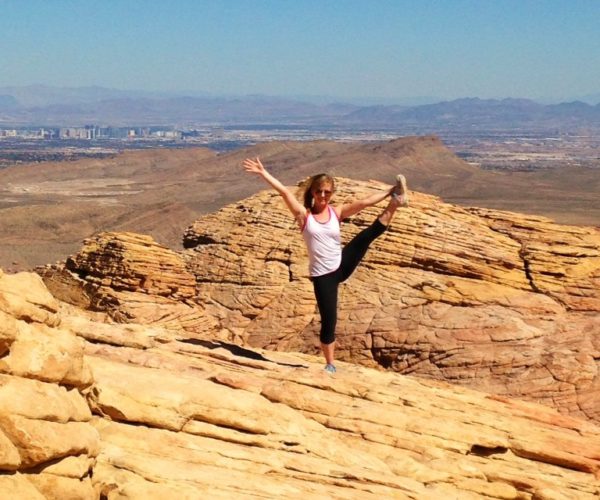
[{"x": 253, "y": 166}]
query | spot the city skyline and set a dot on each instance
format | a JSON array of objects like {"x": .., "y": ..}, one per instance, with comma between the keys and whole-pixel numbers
[{"x": 383, "y": 50}]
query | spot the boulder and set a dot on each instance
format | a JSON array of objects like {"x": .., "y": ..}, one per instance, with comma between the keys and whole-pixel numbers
[{"x": 133, "y": 278}]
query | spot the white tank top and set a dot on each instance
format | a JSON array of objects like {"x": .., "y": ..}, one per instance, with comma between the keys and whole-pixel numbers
[{"x": 323, "y": 243}]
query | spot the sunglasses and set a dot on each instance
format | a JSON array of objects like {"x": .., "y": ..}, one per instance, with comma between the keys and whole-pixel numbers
[{"x": 323, "y": 192}]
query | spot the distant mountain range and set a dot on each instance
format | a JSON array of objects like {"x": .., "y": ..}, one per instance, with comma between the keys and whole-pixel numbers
[
  {"x": 487, "y": 113},
  {"x": 52, "y": 106}
]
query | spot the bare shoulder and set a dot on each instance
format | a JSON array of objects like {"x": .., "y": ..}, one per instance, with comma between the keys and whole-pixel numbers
[{"x": 338, "y": 211}]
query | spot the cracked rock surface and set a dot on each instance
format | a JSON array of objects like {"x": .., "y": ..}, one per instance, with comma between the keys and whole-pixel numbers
[
  {"x": 496, "y": 301},
  {"x": 99, "y": 410}
]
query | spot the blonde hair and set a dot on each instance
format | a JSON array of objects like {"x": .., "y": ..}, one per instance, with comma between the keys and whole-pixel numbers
[{"x": 315, "y": 180}]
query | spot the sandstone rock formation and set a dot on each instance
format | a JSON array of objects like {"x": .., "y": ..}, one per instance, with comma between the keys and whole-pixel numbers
[
  {"x": 497, "y": 301},
  {"x": 129, "y": 411},
  {"x": 48, "y": 444},
  {"x": 134, "y": 279}
]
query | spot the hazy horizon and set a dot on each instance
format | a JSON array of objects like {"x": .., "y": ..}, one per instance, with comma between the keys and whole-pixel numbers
[
  {"x": 380, "y": 52},
  {"x": 320, "y": 99}
]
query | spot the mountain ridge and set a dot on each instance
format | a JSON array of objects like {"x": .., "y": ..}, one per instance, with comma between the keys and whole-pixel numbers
[{"x": 40, "y": 105}]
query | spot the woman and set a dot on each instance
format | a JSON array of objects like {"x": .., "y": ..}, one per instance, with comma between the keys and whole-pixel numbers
[{"x": 319, "y": 222}]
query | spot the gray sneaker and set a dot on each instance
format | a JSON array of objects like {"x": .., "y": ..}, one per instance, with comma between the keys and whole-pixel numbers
[
  {"x": 330, "y": 368},
  {"x": 400, "y": 191}
]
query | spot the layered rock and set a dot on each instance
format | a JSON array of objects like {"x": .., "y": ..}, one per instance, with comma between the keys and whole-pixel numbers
[
  {"x": 132, "y": 278},
  {"x": 562, "y": 262},
  {"x": 47, "y": 443},
  {"x": 185, "y": 418},
  {"x": 189, "y": 421},
  {"x": 494, "y": 300}
]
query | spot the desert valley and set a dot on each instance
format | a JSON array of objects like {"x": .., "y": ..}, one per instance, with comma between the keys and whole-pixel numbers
[{"x": 48, "y": 208}]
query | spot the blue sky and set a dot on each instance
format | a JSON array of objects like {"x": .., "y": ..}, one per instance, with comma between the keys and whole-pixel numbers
[{"x": 342, "y": 48}]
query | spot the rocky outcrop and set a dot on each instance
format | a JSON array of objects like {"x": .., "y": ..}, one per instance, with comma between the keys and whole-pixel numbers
[
  {"x": 147, "y": 413},
  {"x": 132, "y": 278},
  {"x": 493, "y": 300},
  {"x": 48, "y": 445},
  {"x": 562, "y": 262}
]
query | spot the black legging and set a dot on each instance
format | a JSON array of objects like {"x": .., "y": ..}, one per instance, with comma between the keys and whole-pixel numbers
[{"x": 326, "y": 286}]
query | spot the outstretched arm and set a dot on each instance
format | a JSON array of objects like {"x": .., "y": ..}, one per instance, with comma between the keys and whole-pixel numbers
[
  {"x": 255, "y": 166},
  {"x": 350, "y": 209}
]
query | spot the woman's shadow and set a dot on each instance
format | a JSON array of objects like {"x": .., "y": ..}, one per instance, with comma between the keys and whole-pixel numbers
[{"x": 237, "y": 350}]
